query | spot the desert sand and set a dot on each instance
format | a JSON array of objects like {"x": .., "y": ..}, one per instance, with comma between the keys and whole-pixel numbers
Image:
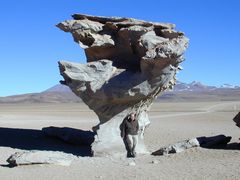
[{"x": 170, "y": 123}]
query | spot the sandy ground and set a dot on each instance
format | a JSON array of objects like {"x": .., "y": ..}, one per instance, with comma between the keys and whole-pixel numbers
[{"x": 170, "y": 123}]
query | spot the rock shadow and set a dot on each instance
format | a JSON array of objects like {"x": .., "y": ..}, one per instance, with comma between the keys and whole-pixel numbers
[
  {"x": 232, "y": 146},
  {"x": 218, "y": 142},
  {"x": 32, "y": 139},
  {"x": 214, "y": 142}
]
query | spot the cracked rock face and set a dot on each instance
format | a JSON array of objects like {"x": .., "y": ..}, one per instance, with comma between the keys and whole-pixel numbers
[{"x": 129, "y": 62}]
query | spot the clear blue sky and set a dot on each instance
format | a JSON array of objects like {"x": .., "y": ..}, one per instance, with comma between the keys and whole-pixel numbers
[{"x": 31, "y": 45}]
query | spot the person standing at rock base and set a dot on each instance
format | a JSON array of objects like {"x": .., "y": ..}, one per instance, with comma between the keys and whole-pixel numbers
[{"x": 129, "y": 132}]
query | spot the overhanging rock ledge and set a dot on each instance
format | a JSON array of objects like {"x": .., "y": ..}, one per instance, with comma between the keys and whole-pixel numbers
[{"x": 129, "y": 62}]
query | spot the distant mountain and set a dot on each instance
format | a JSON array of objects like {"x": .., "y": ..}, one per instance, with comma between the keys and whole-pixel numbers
[
  {"x": 56, "y": 94},
  {"x": 193, "y": 86},
  {"x": 194, "y": 91},
  {"x": 198, "y": 86},
  {"x": 229, "y": 86},
  {"x": 44, "y": 97},
  {"x": 58, "y": 88}
]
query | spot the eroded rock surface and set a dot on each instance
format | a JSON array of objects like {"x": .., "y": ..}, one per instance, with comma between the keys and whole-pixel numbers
[
  {"x": 177, "y": 147},
  {"x": 129, "y": 62},
  {"x": 218, "y": 141},
  {"x": 40, "y": 157}
]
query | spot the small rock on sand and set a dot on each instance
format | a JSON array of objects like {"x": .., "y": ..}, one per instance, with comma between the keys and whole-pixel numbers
[{"x": 132, "y": 163}]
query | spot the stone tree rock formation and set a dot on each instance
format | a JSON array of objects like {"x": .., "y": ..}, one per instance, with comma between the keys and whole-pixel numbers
[{"x": 129, "y": 62}]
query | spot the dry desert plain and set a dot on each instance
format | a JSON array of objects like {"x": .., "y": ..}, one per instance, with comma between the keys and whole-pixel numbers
[{"x": 170, "y": 123}]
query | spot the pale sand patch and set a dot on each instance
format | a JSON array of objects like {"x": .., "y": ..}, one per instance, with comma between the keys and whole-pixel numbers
[{"x": 170, "y": 122}]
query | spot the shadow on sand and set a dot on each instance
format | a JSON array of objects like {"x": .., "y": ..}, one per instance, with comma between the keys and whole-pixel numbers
[
  {"x": 29, "y": 139},
  {"x": 218, "y": 142},
  {"x": 230, "y": 146}
]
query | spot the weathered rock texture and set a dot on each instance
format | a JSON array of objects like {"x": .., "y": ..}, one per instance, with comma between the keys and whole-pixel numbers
[
  {"x": 40, "y": 157},
  {"x": 129, "y": 62},
  {"x": 177, "y": 147},
  {"x": 206, "y": 142}
]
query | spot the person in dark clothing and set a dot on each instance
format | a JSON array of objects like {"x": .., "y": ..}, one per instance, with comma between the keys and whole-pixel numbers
[{"x": 129, "y": 132}]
